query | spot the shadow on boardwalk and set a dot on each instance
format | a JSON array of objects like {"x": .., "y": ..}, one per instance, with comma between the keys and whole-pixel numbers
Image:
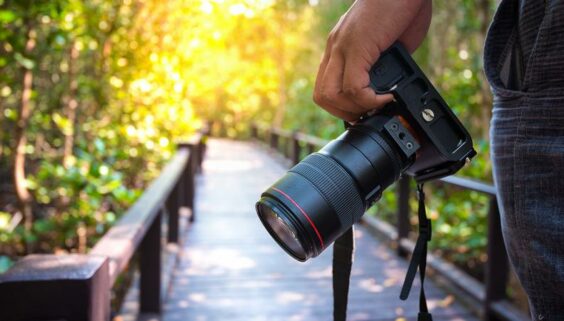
[{"x": 230, "y": 269}]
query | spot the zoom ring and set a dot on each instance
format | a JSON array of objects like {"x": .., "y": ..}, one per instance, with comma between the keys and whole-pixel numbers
[{"x": 335, "y": 184}]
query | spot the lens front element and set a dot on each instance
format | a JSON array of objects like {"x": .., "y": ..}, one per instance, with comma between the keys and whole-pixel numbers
[{"x": 281, "y": 230}]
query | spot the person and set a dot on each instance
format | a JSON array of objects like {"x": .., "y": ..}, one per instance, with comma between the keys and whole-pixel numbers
[{"x": 524, "y": 63}]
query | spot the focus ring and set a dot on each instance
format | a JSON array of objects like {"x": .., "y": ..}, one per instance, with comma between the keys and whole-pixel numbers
[{"x": 335, "y": 184}]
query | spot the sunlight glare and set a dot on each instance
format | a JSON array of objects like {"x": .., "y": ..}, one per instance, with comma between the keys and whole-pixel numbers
[
  {"x": 206, "y": 7},
  {"x": 289, "y": 297},
  {"x": 237, "y": 9}
]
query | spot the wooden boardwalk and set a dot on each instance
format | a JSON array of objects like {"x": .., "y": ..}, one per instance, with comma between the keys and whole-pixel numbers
[{"x": 230, "y": 269}]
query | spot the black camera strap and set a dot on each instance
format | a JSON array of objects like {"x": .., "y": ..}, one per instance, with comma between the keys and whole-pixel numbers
[
  {"x": 343, "y": 253},
  {"x": 419, "y": 258}
]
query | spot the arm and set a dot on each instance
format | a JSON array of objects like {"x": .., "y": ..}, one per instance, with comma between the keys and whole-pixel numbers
[{"x": 354, "y": 45}]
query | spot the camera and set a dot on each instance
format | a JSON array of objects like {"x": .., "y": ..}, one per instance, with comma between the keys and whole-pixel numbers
[{"x": 417, "y": 134}]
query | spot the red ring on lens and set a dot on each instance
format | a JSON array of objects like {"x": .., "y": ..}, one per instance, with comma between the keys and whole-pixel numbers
[{"x": 304, "y": 213}]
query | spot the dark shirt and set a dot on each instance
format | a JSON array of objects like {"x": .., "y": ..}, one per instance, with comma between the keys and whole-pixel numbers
[{"x": 536, "y": 28}]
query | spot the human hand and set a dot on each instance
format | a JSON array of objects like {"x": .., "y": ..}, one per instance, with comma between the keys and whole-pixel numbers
[{"x": 354, "y": 45}]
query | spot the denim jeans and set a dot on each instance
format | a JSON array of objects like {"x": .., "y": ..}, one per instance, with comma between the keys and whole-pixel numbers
[{"x": 527, "y": 148}]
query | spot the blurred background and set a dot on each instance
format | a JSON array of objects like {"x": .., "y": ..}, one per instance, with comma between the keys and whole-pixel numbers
[{"x": 95, "y": 94}]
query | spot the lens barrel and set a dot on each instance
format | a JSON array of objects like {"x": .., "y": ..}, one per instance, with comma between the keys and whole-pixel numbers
[{"x": 326, "y": 193}]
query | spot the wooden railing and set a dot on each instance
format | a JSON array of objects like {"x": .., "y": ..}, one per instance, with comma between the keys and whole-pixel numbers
[
  {"x": 77, "y": 287},
  {"x": 488, "y": 299}
]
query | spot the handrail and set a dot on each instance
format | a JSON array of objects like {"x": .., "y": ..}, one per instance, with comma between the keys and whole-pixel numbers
[
  {"x": 492, "y": 296},
  {"x": 121, "y": 241},
  {"x": 470, "y": 185},
  {"x": 77, "y": 287}
]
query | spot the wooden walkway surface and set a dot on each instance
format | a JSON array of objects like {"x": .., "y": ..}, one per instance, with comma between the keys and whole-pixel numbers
[{"x": 230, "y": 269}]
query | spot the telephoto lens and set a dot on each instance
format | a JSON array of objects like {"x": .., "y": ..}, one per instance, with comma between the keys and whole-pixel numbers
[{"x": 326, "y": 193}]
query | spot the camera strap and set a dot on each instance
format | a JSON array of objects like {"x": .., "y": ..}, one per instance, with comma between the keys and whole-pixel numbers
[
  {"x": 419, "y": 258},
  {"x": 343, "y": 253},
  {"x": 343, "y": 256}
]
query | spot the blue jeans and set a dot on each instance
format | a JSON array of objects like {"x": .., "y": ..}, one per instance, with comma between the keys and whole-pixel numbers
[{"x": 527, "y": 148}]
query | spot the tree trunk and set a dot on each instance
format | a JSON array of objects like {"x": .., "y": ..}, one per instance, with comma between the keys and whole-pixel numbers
[
  {"x": 281, "y": 57},
  {"x": 22, "y": 193},
  {"x": 2, "y": 133},
  {"x": 72, "y": 104}
]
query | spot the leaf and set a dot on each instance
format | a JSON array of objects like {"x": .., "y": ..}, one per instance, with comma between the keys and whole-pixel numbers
[
  {"x": 7, "y": 16},
  {"x": 99, "y": 144},
  {"x": 110, "y": 217},
  {"x": 63, "y": 123},
  {"x": 5, "y": 220},
  {"x": 43, "y": 226},
  {"x": 5, "y": 263},
  {"x": 23, "y": 61},
  {"x": 109, "y": 187}
]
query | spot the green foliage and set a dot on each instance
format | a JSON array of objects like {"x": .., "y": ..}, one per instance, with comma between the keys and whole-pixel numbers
[
  {"x": 94, "y": 137},
  {"x": 5, "y": 263},
  {"x": 117, "y": 83}
]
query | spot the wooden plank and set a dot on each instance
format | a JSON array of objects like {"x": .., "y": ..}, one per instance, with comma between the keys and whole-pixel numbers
[
  {"x": 308, "y": 139},
  {"x": 282, "y": 132},
  {"x": 49, "y": 287},
  {"x": 507, "y": 311},
  {"x": 121, "y": 241}
]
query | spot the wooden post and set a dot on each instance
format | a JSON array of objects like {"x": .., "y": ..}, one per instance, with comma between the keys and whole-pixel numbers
[
  {"x": 197, "y": 149},
  {"x": 183, "y": 176},
  {"x": 266, "y": 133},
  {"x": 310, "y": 148},
  {"x": 254, "y": 131},
  {"x": 283, "y": 145},
  {"x": 273, "y": 139},
  {"x": 190, "y": 174},
  {"x": 497, "y": 266},
  {"x": 150, "y": 266},
  {"x": 173, "y": 204},
  {"x": 403, "y": 225},
  {"x": 56, "y": 287},
  {"x": 296, "y": 148},
  {"x": 201, "y": 153},
  {"x": 194, "y": 155}
]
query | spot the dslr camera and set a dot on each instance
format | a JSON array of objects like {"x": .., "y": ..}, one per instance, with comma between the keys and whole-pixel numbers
[{"x": 417, "y": 134}]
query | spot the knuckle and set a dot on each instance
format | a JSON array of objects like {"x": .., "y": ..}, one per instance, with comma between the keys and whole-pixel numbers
[
  {"x": 335, "y": 42},
  {"x": 333, "y": 34},
  {"x": 323, "y": 97},
  {"x": 317, "y": 98},
  {"x": 330, "y": 40},
  {"x": 328, "y": 96},
  {"x": 352, "y": 91}
]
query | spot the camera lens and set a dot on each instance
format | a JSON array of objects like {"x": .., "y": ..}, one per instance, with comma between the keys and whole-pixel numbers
[
  {"x": 326, "y": 193},
  {"x": 282, "y": 230}
]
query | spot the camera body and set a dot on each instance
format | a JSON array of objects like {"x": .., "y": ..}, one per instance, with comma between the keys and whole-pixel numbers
[
  {"x": 321, "y": 197},
  {"x": 445, "y": 145}
]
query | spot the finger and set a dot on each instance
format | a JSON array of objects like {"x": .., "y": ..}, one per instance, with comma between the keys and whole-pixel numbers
[
  {"x": 356, "y": 84},
  {"x": 324, "y": 103},
  {"x": 331, "y": 86},
  {"x": 344, "y": 115},
  {"x": 319, "y": 78}
]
